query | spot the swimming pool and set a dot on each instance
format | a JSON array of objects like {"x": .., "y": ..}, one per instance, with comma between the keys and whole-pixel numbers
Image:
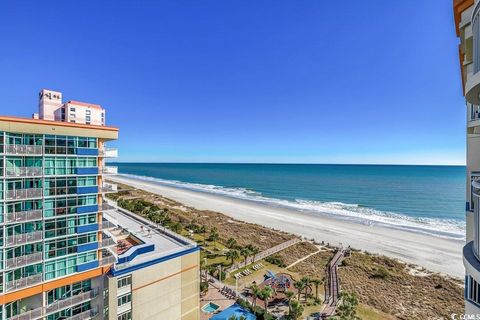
[
  {"x": 236, "y": 310},
  {"x": 210, "y": 307}
]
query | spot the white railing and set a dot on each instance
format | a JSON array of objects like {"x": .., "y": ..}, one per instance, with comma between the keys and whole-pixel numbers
[
  {"x": 23, "y": 260},
  {"x": 108, "y": 187},
  {"x": 23, "y": 193},
  {"x": 108, "y": 152},
  {"x": 109, "y": 170},
  {"x": 71, "y": 301},
  {"x": 24, "y": 282},
  {"x": 22, "y": 216},
  {"x": 23, "y": 149},
  {"x": 23, "y": 238},
  {"x": 23, "y": 172}
]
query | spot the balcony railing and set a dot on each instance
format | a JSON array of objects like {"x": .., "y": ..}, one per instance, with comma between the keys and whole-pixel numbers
[
  {"x": 108, "y": 187},
  {"x": 23, "y": 216},
  {"x": 107, "y": 260},
  {"x": 21, "y": 194},
  {"x": 109, "y": 170},
  {"x": 23, "y": 283},
  {"x": 71, "y": 301},
  {"x": 17, "y": 149},
  {"x": 105, "y": 207},
  {"x": 23, "y": 238},
  {"x": 89, "y": 314},
  {"x": 105, "y": 225},
  {"x": 23, "y": 260},
  {"x": 23, "y": 172},
  {"x": 108, "y": 152},
  {"x": 29, "y": 315},
  {"x": 107, "y": 242}
]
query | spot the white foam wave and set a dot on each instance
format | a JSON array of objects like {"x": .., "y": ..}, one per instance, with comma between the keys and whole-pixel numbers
[{"x": 445, "y": 228}]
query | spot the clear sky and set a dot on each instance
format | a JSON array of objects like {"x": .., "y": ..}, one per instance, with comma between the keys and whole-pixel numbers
[{"x": 311, "y": 81}]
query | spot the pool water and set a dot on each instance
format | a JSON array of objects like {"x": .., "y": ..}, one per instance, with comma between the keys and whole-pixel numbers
[
  {"x": 210, "y": 307},
  {"x": 236, "y": 310}
]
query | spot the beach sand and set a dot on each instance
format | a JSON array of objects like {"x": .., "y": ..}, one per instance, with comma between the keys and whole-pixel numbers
[{"x": 433, "y": 253}]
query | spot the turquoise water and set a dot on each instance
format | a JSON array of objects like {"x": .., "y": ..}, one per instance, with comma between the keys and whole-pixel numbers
[
  {"x": 210, "y": 307},
  {"x": 428, "y": 199},
  {"x": 236, "y": 310}
]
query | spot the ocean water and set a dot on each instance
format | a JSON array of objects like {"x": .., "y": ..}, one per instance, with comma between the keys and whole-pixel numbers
[{"x": 426, "y": 199}]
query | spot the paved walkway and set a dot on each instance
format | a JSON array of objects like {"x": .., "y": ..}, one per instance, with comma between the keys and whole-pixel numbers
[{"x": 264, "y": 254}]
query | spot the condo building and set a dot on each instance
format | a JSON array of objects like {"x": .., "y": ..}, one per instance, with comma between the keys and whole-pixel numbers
[
  {"x": 467, "y": 24},
  {"x": 66, "y": 252}
]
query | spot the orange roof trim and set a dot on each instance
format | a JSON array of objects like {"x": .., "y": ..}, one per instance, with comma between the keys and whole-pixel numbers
[
  {"x": 56, "y": 123},
  {"x": 85, "y": 104},
  {"x": 458, "y": 7}
]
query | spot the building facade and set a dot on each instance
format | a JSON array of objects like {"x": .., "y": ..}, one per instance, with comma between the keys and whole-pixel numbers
[
  {"x": 467, "y": 29},
  {"x": 65, "y": 252}
]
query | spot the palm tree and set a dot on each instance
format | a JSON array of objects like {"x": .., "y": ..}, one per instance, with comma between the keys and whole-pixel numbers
[
  {"x": 254, "y": 251},
  {"x": 232, "y": 254},
  {"x": 213, "y": 236},
  {"x": 242, "y": 317},
  {"x": 317, "y": 283},
  {"x": 289, "y": 295},
  {"x": 306, "y": 280},
  {"x": 299, "y": 285},
  {"x": 232, "y": 317},
  {"x": 267, "y": 293},
  {"x": 296, "y": 310},
  {"x": 203, "y": 230},
  {"x": 245, "y": 252},
  {"x": 176, "y": 227},
  {"x": 255, "y": 293},
  {"x": 231, "y": 243}
]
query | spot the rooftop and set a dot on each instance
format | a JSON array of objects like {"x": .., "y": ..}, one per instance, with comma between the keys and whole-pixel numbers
[{"x": 145, "y": 243}]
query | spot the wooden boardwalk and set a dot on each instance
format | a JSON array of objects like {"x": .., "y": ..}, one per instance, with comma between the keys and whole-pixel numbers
[{"x": 332, "y": 285}]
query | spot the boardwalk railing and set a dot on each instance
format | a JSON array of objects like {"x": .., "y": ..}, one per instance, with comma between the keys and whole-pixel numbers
[
  {"x": 332, "y": 285},
  {"x": 264, "y": 254}
]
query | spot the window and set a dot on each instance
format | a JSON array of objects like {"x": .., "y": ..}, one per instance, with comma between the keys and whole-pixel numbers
[
  {"x": 125, "y": 281},
  {"x": 472, "y": 290},
  {"x": 124, "y": 299},
  {"x": 72, "y": 109},
  {"x": 125, "y": 316}
]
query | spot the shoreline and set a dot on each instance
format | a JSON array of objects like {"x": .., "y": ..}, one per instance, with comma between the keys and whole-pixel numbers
[{"x": 433, "y": 253}]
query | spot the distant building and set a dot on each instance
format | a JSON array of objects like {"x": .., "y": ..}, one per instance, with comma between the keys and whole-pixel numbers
[
  {"x": 51, "y": 107},
  {"x": 65, "y": 253},
  {"x": 467, "y": 25}
]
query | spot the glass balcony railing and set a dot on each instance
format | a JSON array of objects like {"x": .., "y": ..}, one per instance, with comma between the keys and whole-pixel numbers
[
  {"x": 105, "y": 225},
  {"x": 108, "y": 187},
  {"x": 23, "y": 238},
  {"x": 23, "y": 282},
  {"x": 109, "y": 170},
  {"x": 71, "y": 301},
  {"x": 21, "y": 149},
  {"x": 108, "y": 153},
  {"x": 23, "y": 216},
  {"x": 23, "y": 172},
  {"x": 23, "y": 260},
  {"x": 21, "y": 194}
]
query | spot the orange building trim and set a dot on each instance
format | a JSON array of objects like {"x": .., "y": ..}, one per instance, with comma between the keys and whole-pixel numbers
[
  {"x": 165, "y": 278},
  {"x": 458, "y": 7},
  {"x": 56, "y": 123},
  {"x": 47, "y": 286}
]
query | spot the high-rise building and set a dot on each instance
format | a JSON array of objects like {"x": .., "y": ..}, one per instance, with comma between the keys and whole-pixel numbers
[
  {"x": 65, "y": 251},
  {"x": 466, "y": 15}
]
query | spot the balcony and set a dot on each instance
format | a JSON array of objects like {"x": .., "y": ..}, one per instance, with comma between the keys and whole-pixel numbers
[
  {"x": 23, "y": 260},
  {"x": 108, "y": 187},
  {"x": 22, "y": 194},
  {"x": 23, "y": 238},
  {"x": 21, "y": 149},
  {"x": 23, "y": 172},
  {"x": 29, "y": 315},
  {"x": 105, "y": 207},
  {"x": 89, "y": 314},
  {"x": 107, "y": 242},
  {"x": 71, "y": 301},
  {"x": 23, "y": 216},
  {"x": 23, "y": 283},
  {"x": 105, "y": 261},
  {"x": 106, "y": 225},
  {"x": 108, "y": 153},
  {"x": 109, "y": 170}
]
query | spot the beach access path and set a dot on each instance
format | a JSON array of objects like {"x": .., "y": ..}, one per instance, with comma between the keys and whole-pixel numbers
[{"x": 434, "y": 253}]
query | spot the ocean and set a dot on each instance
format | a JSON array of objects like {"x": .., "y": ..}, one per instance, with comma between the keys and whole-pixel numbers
[{"x": 426, "y": 199}]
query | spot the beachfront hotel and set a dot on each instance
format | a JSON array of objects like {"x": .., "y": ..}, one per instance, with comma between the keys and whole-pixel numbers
[
  {"x": 467, "y": 24},
  {"x": 65, "y": 251}
]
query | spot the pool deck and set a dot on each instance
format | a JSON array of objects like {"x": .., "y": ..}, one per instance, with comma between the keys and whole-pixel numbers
[{"x": 214, "y": 295}]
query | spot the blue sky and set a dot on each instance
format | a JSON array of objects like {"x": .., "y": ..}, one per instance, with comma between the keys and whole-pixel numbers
[{"x": 248, "y": 81}]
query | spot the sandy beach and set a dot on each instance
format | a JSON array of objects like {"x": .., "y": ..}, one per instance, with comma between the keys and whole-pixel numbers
[{"x": 433, "y": 253}]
